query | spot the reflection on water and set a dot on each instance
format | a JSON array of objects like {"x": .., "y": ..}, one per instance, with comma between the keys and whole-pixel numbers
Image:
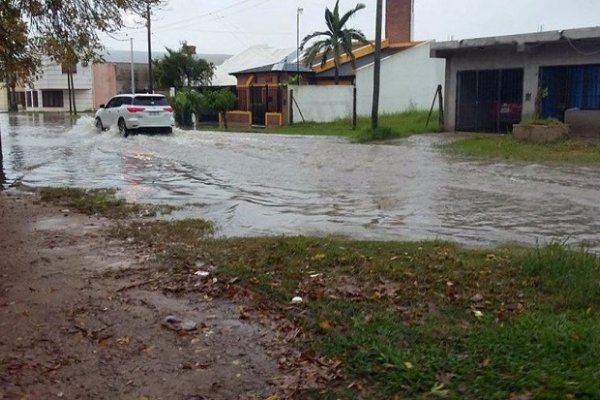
[{"x": 252, "y": 184}]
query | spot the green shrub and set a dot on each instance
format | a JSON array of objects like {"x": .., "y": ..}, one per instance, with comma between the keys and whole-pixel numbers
[{"x": 187, "y": 102}]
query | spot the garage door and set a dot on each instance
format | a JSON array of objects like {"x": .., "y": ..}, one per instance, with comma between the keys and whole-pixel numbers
[{"x": 489, "y": 100}]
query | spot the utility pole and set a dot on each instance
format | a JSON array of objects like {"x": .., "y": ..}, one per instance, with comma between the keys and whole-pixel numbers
[
  {"x": 132, "y": 69},
  {"x": 149, "y": 25},
  {"x": 377, "y": 67},
  {"x": 298, "y": 12}
]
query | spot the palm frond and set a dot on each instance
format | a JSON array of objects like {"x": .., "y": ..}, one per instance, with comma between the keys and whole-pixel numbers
[{"x": 349, "y": 14}]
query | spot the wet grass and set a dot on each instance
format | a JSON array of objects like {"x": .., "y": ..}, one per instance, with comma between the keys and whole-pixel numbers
[
  {"x": 396, "y": 126},
  {"x": 101, "y": 202},
  {"x": 507, "y": 148},
  {"x": 393, "y": 126},
  {"x": 422, "y": 320}
]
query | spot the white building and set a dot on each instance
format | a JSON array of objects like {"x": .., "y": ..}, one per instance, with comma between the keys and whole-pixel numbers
[
  {"x": 49, "y": 92},
  {"x": 409, "y": 81}
]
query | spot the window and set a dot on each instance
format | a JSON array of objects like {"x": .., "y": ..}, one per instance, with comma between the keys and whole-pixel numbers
[
  {"x": 52, "y": 98},
  {"x": 150, "y": 101},
  {"x": 36, "y": 102},
  {"x": 65, "y": 68},
  {"x": 28, "y": 98}
]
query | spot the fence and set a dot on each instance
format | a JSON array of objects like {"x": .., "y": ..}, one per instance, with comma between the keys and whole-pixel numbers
[{"x": 312, "y": 103}]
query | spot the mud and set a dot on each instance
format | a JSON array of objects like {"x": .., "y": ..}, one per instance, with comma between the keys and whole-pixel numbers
[{"x": 74, "y": 325}]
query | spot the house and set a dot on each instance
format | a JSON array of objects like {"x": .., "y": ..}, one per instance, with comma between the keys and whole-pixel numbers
[
  {"x": 252, "y": 57},
  {"x": 494, "y": 82},
  {"x": 409, "y": 78},
  {"x": 94, "y": 83},
  {"x": 262, "y": 96}
]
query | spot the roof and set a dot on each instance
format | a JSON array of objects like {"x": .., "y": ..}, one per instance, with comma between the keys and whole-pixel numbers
[
  {"x": 442, "y": 49},
  {"x": 277, "y": 67},
  {"x": 363, "y": 51},
  {"x": 141, "y": 57},
  {"x": 252, "y": 57},
  {"x": 347, "y": 69}
]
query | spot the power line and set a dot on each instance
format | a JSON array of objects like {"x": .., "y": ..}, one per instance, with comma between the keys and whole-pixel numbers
[{"x": 196, "y": 17}]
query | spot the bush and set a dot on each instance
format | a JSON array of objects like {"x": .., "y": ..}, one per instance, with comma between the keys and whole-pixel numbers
[
  {"x": 186, "y": 103},
  {"x": 220, "y": 101}
]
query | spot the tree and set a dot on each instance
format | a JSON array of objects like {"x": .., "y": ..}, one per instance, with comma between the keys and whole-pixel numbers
[
  {"x": 32, "y": 28},
  {"x": 336, "y": 40},
  {"x": 182, "y": 68},
  {"x": 377, "y": 67},
  {"x": 17, "y": 62},
  {"x": 220, "y": 101}
]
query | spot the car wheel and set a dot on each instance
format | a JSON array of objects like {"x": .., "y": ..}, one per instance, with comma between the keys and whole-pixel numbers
[
  {"x": 123, "y": 128},
  {"x": 99, "y": 126}
]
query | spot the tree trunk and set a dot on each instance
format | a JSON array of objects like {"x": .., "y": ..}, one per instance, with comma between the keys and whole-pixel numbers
[
  {"x": 69, "y": 91},
  {"x": 337, "y": 76},
  {"x": 224, "y": 114},
  {"x": 377, "y": 67},
  {"x": 12, "y": 99},
  {"x": 12, "y": 95},
  {"x": 73, "y": 90}
]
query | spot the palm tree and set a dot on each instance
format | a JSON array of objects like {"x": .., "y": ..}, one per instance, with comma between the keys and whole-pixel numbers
[{"x": 336, "y": 40}]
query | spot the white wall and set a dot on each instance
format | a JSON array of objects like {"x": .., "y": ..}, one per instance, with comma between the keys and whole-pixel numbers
[
  {"x": 53, "y": 78},
  {"x": 322, "y": 103},
  {"x": 409, "y": 80},
  {"x": 3, "y": 97}
]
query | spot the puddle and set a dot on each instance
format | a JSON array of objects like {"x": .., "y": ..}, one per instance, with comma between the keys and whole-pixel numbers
[{"x": 256, "y": 184}]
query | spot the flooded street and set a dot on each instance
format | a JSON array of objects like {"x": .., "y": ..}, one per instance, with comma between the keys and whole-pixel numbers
[{"x": 255, "y": 184}]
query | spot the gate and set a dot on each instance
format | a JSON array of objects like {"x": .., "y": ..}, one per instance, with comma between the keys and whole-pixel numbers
[
  {"x": 259, "y": 105},
  {"x": 489, "y": 100}
]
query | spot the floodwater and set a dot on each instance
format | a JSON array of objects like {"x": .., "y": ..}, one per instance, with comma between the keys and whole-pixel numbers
[{"x": 253, "y": 184}]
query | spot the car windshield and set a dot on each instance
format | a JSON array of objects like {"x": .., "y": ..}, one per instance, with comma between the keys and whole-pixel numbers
[{"x": 150, "y": 101}]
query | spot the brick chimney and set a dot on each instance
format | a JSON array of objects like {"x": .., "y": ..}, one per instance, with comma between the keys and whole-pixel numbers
[{"x": 399, "y": 20}]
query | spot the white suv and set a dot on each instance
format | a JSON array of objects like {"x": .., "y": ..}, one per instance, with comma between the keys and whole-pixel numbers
[{"x": 136, "y": 112}]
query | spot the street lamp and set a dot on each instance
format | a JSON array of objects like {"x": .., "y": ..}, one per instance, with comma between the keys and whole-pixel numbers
[{"x": 298, "y": 12}]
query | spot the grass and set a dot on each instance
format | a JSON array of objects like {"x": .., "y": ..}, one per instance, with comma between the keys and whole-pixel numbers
[
  {"x": 101, "y": 202},
  {"x": 424, "y": 320},
  {"x": 392, "y": 125},
  {"x": 507, "y": 148}
]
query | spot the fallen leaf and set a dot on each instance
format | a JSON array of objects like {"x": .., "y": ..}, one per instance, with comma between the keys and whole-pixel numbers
[
  {"x": 477, "y": 314},
  {"x": 124, "y": 341},
  {"x": 325, "y": 326},
  {"x": 408, "y": 365}
]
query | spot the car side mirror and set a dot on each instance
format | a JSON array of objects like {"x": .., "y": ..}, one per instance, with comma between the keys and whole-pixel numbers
[{"x": 102, "y": 106}]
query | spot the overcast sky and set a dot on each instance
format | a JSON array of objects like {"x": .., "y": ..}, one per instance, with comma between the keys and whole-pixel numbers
[{"x": 230, "y": 26}]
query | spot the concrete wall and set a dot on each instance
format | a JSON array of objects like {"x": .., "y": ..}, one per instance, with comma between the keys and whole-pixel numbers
[
  {"x": 105, "y": 83},
  {"x": 531, "y": 59},
  {"x": 322, "y": 103},
  {"x": 583, "y": 123},
  {"x": 409, "y": 80}
]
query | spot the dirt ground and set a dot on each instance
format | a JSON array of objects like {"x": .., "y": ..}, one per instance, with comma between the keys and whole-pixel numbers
[{"x": 71, "y": 329}]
